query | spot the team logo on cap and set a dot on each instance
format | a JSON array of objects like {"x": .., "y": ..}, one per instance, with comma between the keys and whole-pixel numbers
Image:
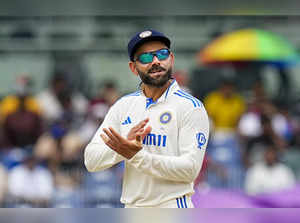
[
  {"x": 145, "y": 34},
  {"x": 165, "y": 118}
]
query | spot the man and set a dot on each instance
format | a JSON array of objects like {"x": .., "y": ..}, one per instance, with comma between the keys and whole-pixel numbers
[
  {"x": 30, "y": 184},
  {"x": 225, "y": 120},
  {"x": 270, "y": 175},
  {"x": 159, "y": 131}
]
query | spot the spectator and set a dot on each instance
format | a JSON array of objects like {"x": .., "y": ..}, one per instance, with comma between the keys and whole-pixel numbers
[
  {"x": 264, "y": 125},
  {"x": 97, "y": 109},
  {"x": 31, "y": 184},
  {"x": 252, "y": 122},
  {"x": 225, "y": 106},
  {"x": 57, "y": 97},
  {"x": 107, "y": 94},
  {"x": 22, "y": 124},
  {"x": 249, "y": 125},
  {"x": 95, "y": 117},
  {"x": 22, "y": 128},
  {"x": 11, "y": 103},
  {"x": 269, "y": 175}
]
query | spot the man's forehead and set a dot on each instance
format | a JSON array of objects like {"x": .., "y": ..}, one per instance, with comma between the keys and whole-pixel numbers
[{"x": 150, "y": 46}]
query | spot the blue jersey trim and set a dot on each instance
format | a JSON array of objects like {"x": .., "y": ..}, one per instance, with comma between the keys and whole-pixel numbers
[
  {"x": 181, "y": 202},
  {"x": 169, "y": 88},
  {"x": 183, "y": 96},
  {"x": 184, "y": 201},
  {"x": 195, "y": 101},
  {"x": 191, "y": 96},
  {"x": 149, "y": 101}
]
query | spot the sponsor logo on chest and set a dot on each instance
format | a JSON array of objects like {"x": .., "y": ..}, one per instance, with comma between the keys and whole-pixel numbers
[{"x": 155, "y": 140}]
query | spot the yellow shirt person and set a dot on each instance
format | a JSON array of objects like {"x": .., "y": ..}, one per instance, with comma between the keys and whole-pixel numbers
[
  {"x": 11, "y": 103},
  {"x": 224, "y": 107}
]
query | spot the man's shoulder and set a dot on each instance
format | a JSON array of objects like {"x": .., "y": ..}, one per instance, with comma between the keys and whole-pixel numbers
[
  {"x": 132, "y": 94},
  {"x": 185, "y": 101},
  {"x": 127, "y": 98}
]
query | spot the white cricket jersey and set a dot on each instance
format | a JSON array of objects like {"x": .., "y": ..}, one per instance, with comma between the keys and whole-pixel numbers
[{"x": 172, "y": 154}]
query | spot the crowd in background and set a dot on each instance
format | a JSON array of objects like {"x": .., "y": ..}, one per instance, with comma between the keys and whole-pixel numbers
[
  {"x": 42, "y": 141},
  {"x": 254, "y": 144}
]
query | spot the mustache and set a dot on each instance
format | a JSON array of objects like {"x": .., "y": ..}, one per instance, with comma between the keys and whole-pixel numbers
[{"x": 156, "y": 68}]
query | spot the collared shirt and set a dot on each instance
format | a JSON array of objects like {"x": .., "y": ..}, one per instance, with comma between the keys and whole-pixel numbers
[
  {"x": 31, "y": 184},
  {"x": 261, "y": 178},
  {"x": 172, "y": 154}
]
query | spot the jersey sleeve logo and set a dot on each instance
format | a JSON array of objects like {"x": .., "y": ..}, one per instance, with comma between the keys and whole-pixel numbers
[
  {"x": 201, "y": 140},
  {"x": 165, "y": 118}
]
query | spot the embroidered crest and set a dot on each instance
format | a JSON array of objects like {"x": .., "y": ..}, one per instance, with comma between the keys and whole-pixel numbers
[
  {"x": 165, "y": 118},
  {"x": 145, "y": 34}
]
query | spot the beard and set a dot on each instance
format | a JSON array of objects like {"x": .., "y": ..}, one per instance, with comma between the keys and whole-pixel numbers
[{"x": 155, "y": 82}]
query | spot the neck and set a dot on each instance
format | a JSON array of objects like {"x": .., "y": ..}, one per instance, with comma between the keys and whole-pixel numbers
[{"x": 155, "y": 92}]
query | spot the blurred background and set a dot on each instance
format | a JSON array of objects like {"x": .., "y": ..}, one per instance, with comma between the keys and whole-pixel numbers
[{"x": 62, "y": 70}]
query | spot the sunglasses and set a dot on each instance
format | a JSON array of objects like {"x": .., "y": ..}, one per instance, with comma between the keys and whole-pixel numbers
[{"x": 161, "y": 54}]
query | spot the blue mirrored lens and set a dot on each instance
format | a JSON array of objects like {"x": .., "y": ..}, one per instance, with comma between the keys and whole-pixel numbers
[{"x": 162, "y": 54}]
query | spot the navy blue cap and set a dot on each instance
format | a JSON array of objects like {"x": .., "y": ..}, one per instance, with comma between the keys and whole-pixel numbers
[{"x": 147, "y": 35}]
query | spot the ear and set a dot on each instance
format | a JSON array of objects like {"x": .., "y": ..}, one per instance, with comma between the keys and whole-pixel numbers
[
  {"x": 132, "y": 66},
  {"x": 172, "y": 58}
]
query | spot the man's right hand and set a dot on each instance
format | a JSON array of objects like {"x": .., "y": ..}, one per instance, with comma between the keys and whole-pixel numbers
[
  {"x": 130, "y": 146},
  {"x": 139, "y": 130}
]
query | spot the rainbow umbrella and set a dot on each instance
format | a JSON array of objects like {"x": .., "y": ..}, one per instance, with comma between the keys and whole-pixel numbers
[{"x": 249, "y": 45}]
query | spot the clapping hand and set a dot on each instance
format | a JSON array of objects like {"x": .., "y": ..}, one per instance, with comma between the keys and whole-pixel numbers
[{"x": 127, "y": 147}]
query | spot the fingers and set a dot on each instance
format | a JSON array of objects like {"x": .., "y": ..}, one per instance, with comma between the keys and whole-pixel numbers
[
  {"x": 112, "y": 138},
  {"x": 116, "y": 135},
  {"x": 146, "y": 132},
  {"x": 110, "y": 134},
  {"x": 119, "y": 144},
  {"x": 104, "y": 138},
  {"x": 108, "y": 142},
  {"x": 141, "y": 124},
  {"x": 142, "y": 134}
]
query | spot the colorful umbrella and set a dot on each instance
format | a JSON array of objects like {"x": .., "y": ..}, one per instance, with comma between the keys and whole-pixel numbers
[{"x": 249, "y": 45}]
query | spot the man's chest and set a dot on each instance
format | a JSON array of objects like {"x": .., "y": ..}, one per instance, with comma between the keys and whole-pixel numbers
[{"x": 164, "y": 122}]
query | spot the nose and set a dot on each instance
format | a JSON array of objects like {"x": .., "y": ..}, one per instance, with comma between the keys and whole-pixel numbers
[{"x": 155, "y": 60}]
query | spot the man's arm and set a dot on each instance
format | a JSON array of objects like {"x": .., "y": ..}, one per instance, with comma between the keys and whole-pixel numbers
[
  {"x": 193, "y": 137},
  {"x": 97, "y": 155}
]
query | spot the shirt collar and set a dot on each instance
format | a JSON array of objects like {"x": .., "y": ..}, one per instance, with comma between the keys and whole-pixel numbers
[
  {"x": 169, "y": 91},
  {"x": 173, "y": 87}
]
